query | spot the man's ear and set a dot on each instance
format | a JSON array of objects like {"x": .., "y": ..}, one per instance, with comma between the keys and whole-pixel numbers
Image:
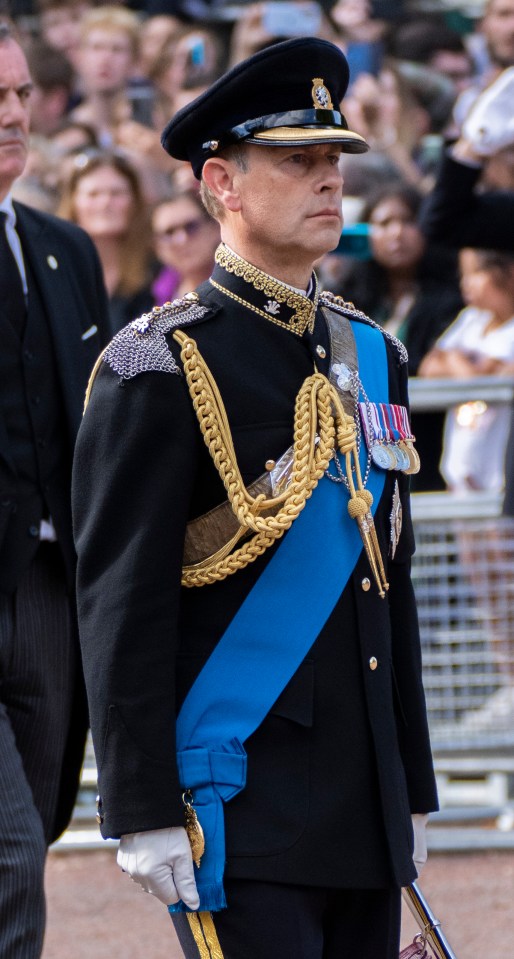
[{"x": 221, "y": 176}]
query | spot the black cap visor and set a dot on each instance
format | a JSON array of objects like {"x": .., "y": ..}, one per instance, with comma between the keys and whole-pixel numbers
[{"x": 294, "y": 128}]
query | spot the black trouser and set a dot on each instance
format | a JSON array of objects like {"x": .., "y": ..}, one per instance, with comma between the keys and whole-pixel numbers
[
  {"x": 37, "y": 669},
  {"x": 271, "y": 921}
]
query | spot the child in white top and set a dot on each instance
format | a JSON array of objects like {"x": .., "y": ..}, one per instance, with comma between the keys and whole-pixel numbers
[{"x": 480, "y": 342}]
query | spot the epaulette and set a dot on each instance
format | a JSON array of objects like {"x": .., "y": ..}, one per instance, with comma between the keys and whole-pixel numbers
[
  {"x": 141, "y": 346},
  {"x": 340, "y": 305}
]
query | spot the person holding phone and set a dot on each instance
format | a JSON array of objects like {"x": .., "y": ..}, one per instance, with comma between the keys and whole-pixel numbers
[
  {"x": 247, "y": 618},
  {"x": 260, "y": 24}
]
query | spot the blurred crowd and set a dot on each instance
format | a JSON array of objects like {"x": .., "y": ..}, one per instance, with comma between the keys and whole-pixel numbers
[{"x": 109, "y": 77}]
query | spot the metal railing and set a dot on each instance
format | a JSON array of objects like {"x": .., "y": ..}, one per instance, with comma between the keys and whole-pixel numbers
[{"x": 463, "y": 575}]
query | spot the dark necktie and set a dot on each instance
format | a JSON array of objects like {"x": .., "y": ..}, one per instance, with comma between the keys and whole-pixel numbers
[{"x": 12, "y": 300}]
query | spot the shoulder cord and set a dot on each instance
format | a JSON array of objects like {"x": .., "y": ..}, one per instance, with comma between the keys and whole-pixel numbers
[
  {"x": 92, "y": 378},
  {"x": 320, "y": 425}
]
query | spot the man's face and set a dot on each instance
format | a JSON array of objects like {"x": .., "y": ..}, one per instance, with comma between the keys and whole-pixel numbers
[
  {"x": 458, "y": 67},
  {"x": 15, "y": 89},
  {"x": 60, "y": 27},
  {"x": 106, "y": 60},
  {"x": 290, "y": 204},
  {"x": 498, "y": 29}
]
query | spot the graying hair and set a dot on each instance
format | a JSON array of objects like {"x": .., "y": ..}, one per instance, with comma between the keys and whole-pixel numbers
[{"x": 239, "y": 155}]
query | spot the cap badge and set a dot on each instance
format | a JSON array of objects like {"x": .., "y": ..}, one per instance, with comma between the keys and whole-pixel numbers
[{"x": 320, "y": 96}]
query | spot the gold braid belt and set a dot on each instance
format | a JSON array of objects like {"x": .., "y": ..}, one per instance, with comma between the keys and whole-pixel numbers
[{"x": 321, "y": 426}]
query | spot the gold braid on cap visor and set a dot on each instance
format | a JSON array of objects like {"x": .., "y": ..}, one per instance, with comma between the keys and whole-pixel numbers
[{"x": 295, "y": 126}]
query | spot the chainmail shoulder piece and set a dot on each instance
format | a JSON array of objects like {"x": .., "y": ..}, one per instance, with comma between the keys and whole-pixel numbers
[
  {"x": 141, "y": 346},
  {"x": 348, "y": 309}
]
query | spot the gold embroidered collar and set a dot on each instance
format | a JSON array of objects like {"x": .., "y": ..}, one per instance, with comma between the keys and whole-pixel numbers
[{"x": 262, "y": 293}]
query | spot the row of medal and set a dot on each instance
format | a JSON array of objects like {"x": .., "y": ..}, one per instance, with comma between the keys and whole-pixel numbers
[{"x": 388, "y": 436}]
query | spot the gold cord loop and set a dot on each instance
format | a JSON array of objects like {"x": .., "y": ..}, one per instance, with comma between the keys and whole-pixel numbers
[{"x": 321, "y": 426}]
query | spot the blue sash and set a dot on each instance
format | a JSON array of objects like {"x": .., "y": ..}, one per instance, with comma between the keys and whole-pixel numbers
[{"x": 266, "y": 641}]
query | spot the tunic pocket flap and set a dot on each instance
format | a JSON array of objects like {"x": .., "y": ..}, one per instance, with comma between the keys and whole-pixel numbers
[{"x": 296, "y": 701}]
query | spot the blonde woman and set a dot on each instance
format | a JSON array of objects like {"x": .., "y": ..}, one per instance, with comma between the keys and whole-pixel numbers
[{"x": 103, "y": 195}]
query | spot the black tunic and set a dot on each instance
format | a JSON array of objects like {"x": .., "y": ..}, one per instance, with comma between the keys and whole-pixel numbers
[{"x": 343, "y": 757}]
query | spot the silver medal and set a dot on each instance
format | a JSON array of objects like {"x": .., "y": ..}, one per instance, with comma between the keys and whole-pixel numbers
[
  {"x": 402, "y": 458},
  {"x": 381, "y": 456}
]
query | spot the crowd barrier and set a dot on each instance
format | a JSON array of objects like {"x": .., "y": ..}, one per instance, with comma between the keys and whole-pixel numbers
[{"x": 463, "y": 575}]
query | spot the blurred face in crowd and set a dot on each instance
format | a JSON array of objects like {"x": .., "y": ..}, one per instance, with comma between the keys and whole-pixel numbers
[
  {"x": 72, "y": 139},
  {"x": 350, "y": 14},
  {"x": 396, "y": 240},
  {"x": 156, "y": 31},
  {"x": 185, "y": 236},
  {"x": 486, "y": 287},
  {"x": 385, "y": 107},
  {"x": 191, "y": 58},
  {"x": 48, "y": 109},
  {"x": 106, "y": 60},
  {"x": 103, "y": 203},
  {"x": 60, "y": 27},
  {"x": 498, "y": 29},
  {"x": 15, "y": 91},
  {"x": 458, "y": 67}
]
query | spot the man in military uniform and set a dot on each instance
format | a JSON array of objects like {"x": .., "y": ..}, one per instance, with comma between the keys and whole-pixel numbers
[{"x": 248, "y": 624}]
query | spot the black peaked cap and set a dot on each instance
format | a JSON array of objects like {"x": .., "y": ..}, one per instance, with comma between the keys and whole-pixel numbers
[{"x": 287, "y": 94}]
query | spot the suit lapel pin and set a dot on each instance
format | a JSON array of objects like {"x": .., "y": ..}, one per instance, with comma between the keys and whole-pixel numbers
[
  {"x": 52, "y": 262},
  {"x": 90, "y": 332}
]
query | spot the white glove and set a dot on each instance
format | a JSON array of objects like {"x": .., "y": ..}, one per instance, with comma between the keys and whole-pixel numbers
[
  {"x": 419, "y": 855},
  {"x": 489, "y": 125},
  {"x": 160, "y": 861}
]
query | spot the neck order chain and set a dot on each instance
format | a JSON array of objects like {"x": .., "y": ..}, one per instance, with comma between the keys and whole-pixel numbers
[{"x": 321, "y": 427}]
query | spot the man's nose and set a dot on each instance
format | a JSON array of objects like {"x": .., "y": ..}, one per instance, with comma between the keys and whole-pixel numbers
[
  {"x": 331, "y": 178},
  {"x": 12, "y": 113}
]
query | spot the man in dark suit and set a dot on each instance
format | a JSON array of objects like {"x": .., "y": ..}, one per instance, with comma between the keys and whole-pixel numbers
[
  {"x": 53, "y": 318},
  {"x": 275, "y": 699}
]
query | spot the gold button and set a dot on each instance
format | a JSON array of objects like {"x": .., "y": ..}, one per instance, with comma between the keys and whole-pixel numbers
[
  {"x": 365, "y": 584},
  {"x": 373, "y": 663},
  {"x": 321, "y": 351},
  {"x": 270, "y": 465}
]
